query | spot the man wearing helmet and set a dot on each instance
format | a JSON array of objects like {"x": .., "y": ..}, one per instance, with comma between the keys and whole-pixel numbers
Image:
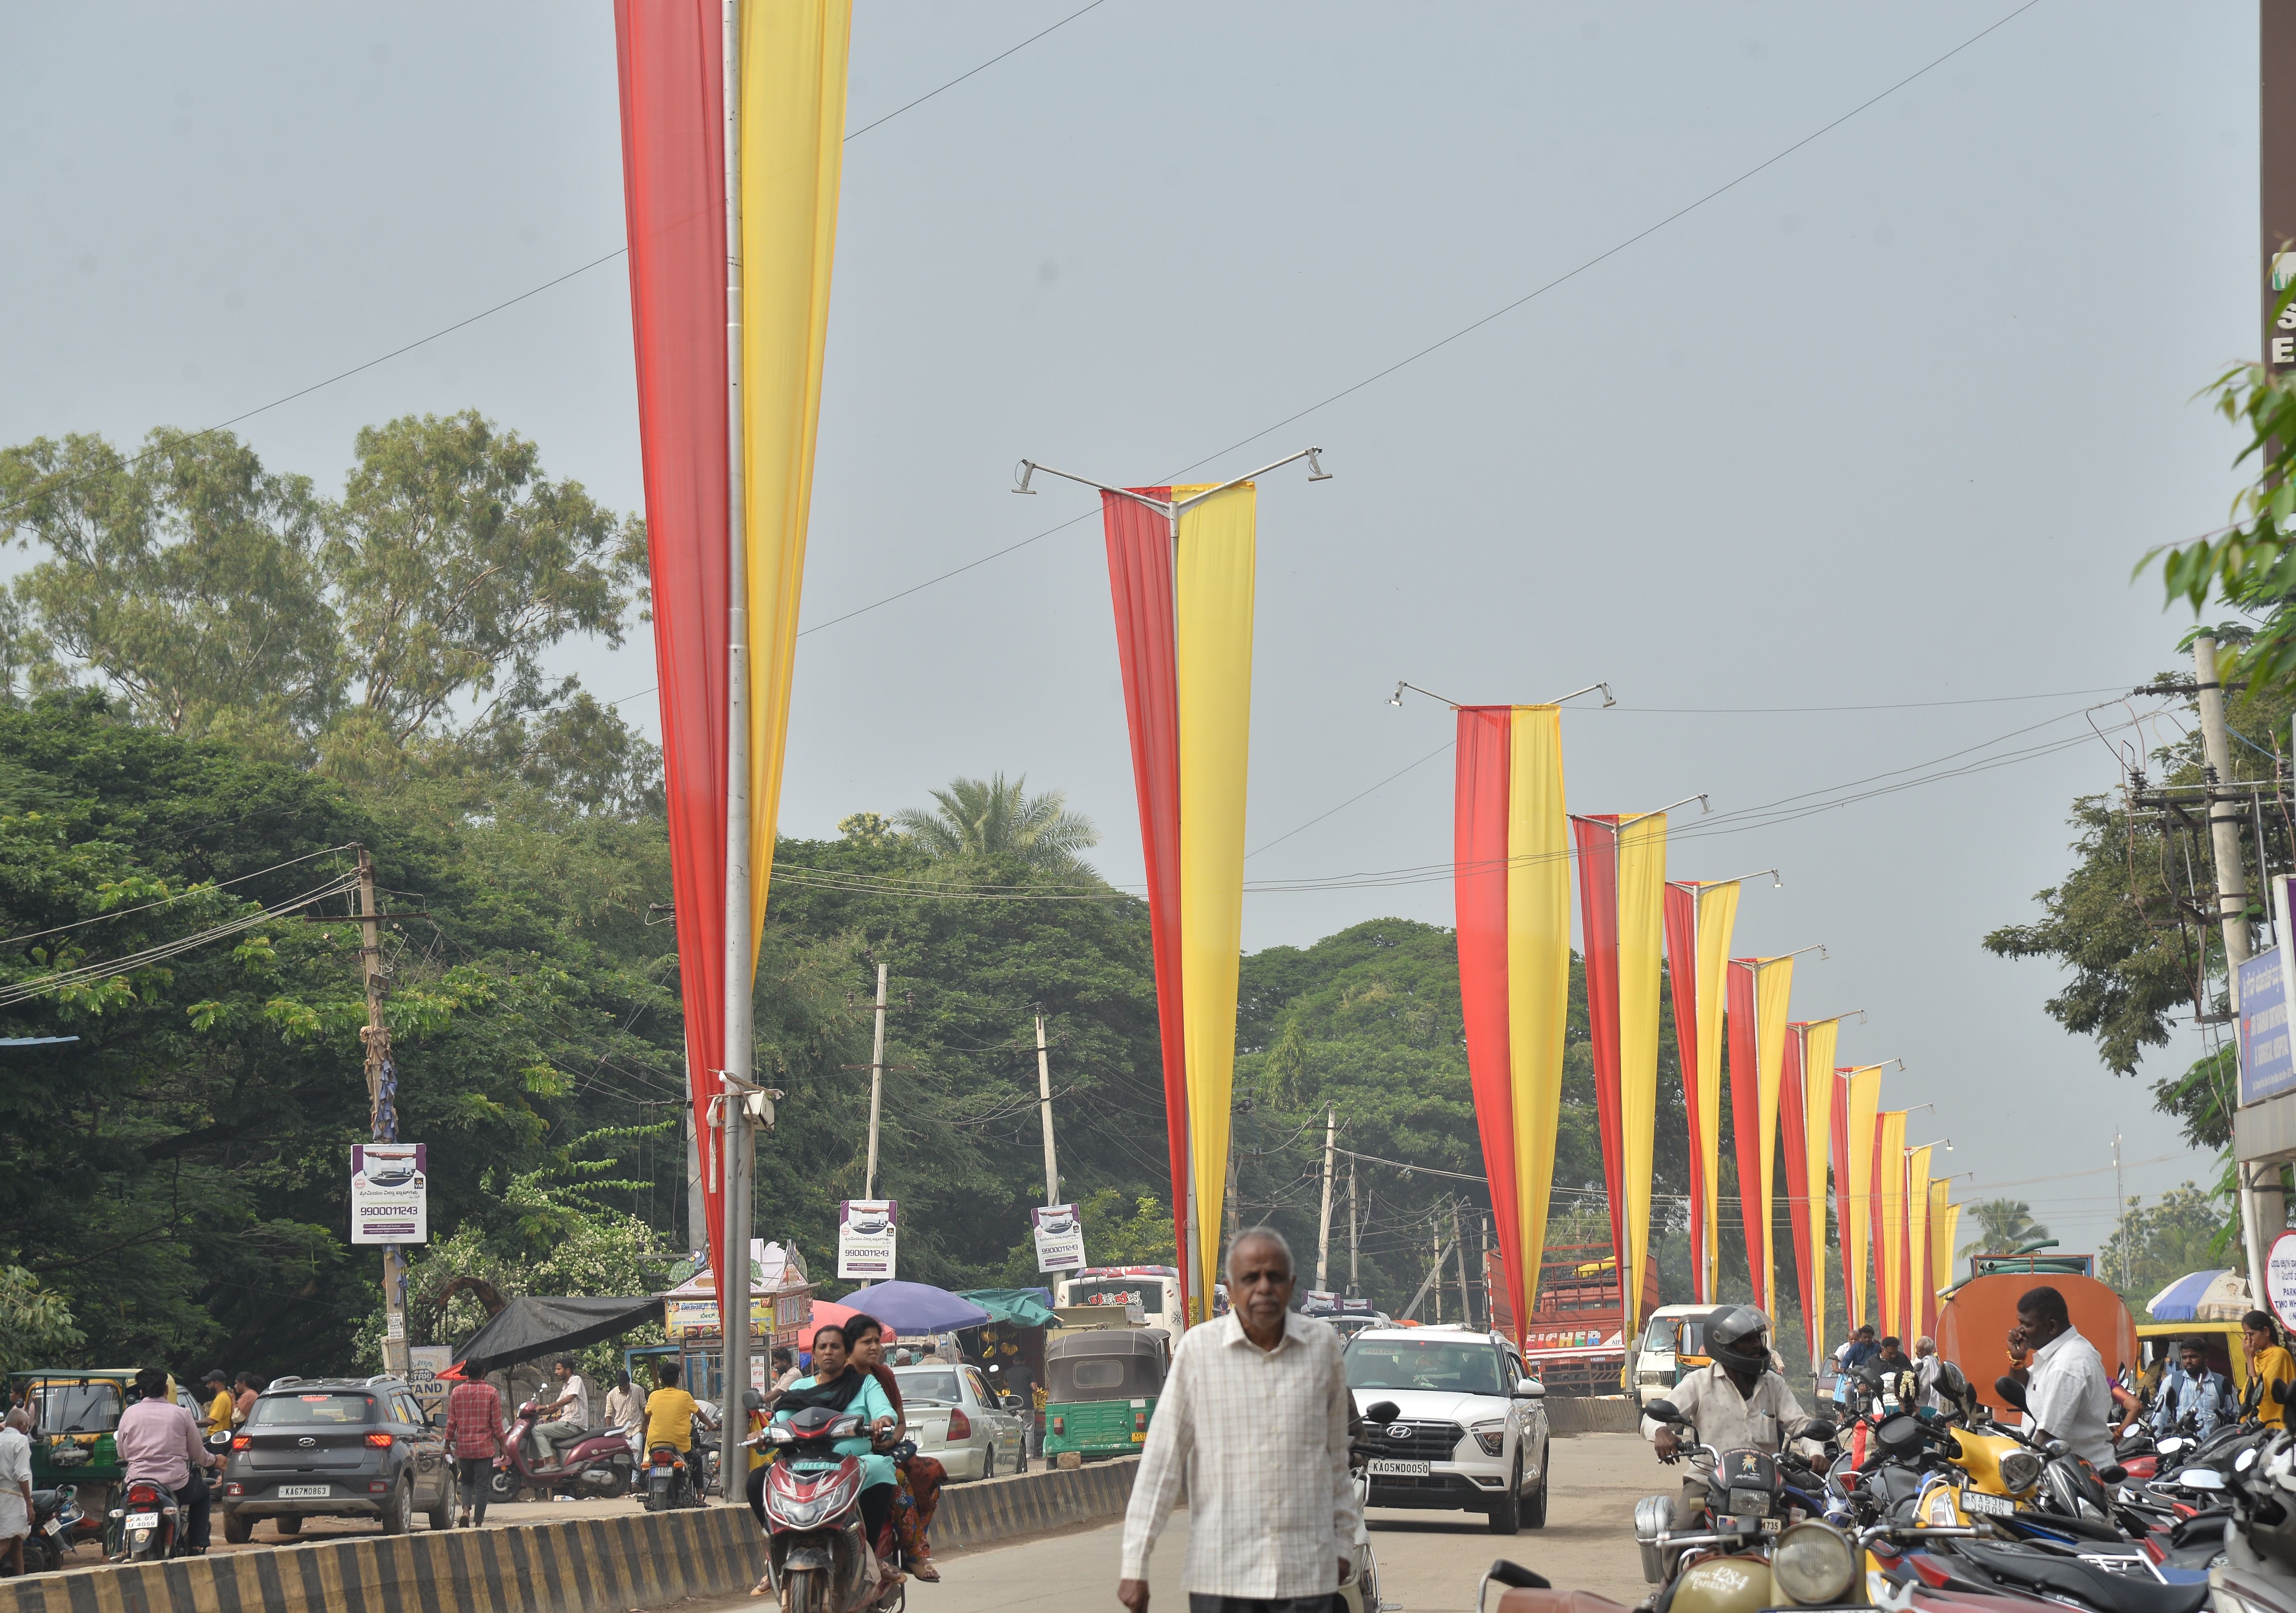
[{"x": 1740, "y": 1402}]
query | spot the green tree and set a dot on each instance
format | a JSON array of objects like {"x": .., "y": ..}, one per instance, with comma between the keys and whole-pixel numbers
[
  {"x": 991, "y": 817},
  {"x": 2187, "y": 1231},
  {"x": 2001, "y": 1224},
  {"x": 35, "y": 1326}
]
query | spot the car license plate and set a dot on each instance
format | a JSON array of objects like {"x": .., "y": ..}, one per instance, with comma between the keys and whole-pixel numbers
[
  {"x": 1985, "y": 1505},
  {"x": 142, "y": 1520},
  {"x": 302, "y": 1492},
  {"x": 1384, "y": 1467}
]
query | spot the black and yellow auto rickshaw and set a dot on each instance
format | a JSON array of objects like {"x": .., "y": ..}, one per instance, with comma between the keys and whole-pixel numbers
[
  {"x": 1101, "y": 1388},
  {"x": 74, "y": 1413}
]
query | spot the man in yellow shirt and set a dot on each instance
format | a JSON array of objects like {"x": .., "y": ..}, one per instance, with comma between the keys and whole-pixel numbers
[
  {"x": 2268, "y": 1364},
  {"x": 220, "y": 1406},
  {"x": 669, "y": 1411}
]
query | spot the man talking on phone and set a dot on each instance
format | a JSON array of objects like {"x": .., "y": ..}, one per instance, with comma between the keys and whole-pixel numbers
[{"x": 1256, "y": 1416}]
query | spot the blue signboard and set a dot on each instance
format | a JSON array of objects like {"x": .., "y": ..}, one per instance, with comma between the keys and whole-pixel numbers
[{"x": 2267, "y": 1062}]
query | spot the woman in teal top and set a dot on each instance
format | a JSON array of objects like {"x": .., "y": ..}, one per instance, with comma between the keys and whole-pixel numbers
[{"x": 842, "y": 1387}]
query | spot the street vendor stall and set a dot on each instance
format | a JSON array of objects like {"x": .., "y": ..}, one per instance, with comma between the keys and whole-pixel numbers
[{"x": 781, "y": 1307}]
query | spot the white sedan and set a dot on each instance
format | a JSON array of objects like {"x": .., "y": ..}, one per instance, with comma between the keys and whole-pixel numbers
[{"x": 957, "y": 1422}]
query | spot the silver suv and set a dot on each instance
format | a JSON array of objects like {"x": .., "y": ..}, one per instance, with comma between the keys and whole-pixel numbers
[{"x": 1469, "y": 1432}]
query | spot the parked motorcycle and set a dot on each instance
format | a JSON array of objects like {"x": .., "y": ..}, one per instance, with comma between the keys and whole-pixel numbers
[
  {"x": 151, "y": 1524},
  {"x": 815, "y": 1551},
  {"x": 604, "y": 1464},
  {"x": 54, "y": 1514}
]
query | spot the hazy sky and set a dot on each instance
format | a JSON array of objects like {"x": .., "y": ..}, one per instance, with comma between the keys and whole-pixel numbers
[{"x": 1884, "y": 426}]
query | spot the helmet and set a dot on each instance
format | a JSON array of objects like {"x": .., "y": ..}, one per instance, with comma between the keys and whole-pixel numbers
[{"x": 1737, "y": 1337}]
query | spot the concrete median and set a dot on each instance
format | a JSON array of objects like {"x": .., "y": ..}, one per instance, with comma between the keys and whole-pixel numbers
[{"x": 600, "y": 1565}]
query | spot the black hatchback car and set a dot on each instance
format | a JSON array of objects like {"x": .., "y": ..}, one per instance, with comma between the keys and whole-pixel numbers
[{"x": 336, "y": 1447}]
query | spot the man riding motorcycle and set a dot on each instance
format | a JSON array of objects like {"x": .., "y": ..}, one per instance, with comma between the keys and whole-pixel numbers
[{"x": 1737, "y": 1403}]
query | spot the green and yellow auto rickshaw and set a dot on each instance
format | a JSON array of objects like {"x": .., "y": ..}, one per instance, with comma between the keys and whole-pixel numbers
[
  {"x": 1101, "y": 1388},
  {"x": 74, "y": 1413}
]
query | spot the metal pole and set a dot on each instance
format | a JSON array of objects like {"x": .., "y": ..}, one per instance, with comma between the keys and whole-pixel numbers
[
  {"x": 697, "y": 1202},
  {"x": 2232, "y": 912},
  {"x": 1435, "y": 1275},
  {"x": 741, "y": 956},
  {"x": 1044, "y": 1104},
  {"x": 1324, "y": 1228},
  {"x": 876, "y": 1087},
  {"x": 1467, "y": 1304},
  {"x": 383, "y": 1114},
  {"x": 1355, "y": 1236}
]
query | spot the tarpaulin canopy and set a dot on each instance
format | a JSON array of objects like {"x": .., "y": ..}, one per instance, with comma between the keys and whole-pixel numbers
[
  {"x": 911, "y": 1308},
  {"x": 2219, "y": 1296},
  {"x": 531, "y": 1326},
  {"x": 1023, "y": 1307},
  {"x": 823, "y": 1313}
]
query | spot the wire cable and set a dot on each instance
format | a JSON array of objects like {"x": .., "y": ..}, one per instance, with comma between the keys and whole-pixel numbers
[{"x": 201, "y": 889}]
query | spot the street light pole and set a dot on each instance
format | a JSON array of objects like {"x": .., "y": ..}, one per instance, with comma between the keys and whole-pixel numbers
[{"x": 1044, "y": 1104}]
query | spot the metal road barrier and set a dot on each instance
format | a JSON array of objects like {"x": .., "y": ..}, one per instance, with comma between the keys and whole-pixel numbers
[
  {"x": 591, "y": 1565},
  {"x": 1592, "y": 1414}
]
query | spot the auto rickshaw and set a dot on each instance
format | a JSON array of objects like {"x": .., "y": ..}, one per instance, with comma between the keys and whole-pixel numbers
[
  {"x": 74, "y": 1412},
  {"x": 1101, "y": 1388}
]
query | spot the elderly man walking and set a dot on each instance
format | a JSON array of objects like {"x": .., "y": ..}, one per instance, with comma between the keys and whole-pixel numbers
[
  {"x": 1255, "y": 1414},
  {"x": 15, "y": 1487}
]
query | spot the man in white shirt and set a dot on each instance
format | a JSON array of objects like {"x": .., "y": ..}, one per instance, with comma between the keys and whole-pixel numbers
[
  {"x": 15, "y": 1488},
  {"x": 1738, "y": 1404},
  {"x": 571, "y": 1410},
  {"x": 2068, "y": 1394},
  {"x": 1255, "y": 1414}
]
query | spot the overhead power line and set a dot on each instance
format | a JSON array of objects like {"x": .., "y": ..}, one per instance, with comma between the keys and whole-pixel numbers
[{"x": 201, "y": 889}]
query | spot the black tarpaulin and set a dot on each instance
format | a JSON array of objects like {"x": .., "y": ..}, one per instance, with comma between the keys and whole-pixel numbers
[{"x": 533, "y": 1325}]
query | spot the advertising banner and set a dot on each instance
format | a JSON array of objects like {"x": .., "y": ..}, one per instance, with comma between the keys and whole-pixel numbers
[
  {"x": 865, "y": 1231},
  {"x": 2267, "y": 1064},
  {"x": 1060, "y": 1238},
  {"x": 2280, "y": 1278},
  {"x": 389, "y": 1192},
  {"x": 424, "y": 1362}
]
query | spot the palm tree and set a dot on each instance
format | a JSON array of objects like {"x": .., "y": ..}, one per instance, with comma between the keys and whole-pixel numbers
[
  {"x": 2003, "y": 1224},
  {"x": 978, "y": 817}
]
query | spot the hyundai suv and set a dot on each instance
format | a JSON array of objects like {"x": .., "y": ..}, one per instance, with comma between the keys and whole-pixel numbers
[
  {"x": 336, "y": 1447},
  {"x": 1470, "y": 1431}
]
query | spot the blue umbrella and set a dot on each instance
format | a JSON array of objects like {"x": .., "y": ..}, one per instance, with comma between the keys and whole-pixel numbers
[
  {"x": 2182, "y": 1299},
  {"x": 915, "y": 1307}
]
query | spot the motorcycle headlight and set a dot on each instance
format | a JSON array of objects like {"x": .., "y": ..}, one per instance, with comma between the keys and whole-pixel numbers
[
  {"x": 1491, "y": 1436},
  {"x": 1813, "y": 1562},
  {"x": 2022, "y": 1470}
]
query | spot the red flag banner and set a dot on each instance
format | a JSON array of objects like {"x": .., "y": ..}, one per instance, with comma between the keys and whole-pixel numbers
[
  {"x": 1792, "y": 1119},
  {"x": 1597, "y": 840},
  {"x": 670, "y": 56},
  {"x": 1746, "y": 1136},
  {"x": 1140, "y": 583},
  {"x": 1480, "y": 814}
]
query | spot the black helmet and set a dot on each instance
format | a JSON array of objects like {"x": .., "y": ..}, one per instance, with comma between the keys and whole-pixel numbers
[{"x": 1738, "y": 1337}]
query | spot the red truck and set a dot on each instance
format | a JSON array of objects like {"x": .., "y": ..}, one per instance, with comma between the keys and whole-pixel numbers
[{"x": 1575, "y": 1342}]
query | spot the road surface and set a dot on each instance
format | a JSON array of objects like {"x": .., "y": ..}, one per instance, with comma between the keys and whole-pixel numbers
[{"x": 1429, "y": 1561}]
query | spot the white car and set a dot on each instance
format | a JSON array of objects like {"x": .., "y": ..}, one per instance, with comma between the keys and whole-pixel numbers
[
  {"x": 957, "y": 1422},
  {"x": 1468, "y": 1432}
]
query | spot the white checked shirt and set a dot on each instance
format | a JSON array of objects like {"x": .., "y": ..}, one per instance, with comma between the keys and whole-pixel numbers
[{"x": 1262, "y": 1439}]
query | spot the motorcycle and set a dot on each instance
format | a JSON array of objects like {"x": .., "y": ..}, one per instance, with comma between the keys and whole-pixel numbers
[
  {"x": 54, "y": 1514},
  {"x": 604, "y": 1464},
  {"x": 151, "y": 1524},
  {"x": 815, "y": 1552},
  {"x": 1773, "y": 1530}
]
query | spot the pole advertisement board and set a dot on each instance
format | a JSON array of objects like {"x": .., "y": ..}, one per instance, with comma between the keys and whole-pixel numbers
[
  {"x": 1060, "y": 1238},
  {"x": 866, "y": 1232},
  {"x": 389, "y": 1192}
]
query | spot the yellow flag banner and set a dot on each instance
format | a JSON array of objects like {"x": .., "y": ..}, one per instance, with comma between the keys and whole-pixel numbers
[
  {"x": 792, "y": 146},
  {"x": 1641, "y": 928},
  {"x": 1918, "y": 1243},
  {"x": 1819, "y": 1041},
  {"x": 1860, "y": 1095},
  {"x": 1945, "y": 1226},
  {"x": 1889, "y": 1205},
  {"x": 1211, "y": 622},
  {"x": 1699, "y": 919},
  {"x": 1539, "y": 968},
  {"x": 1773, "y": 987}
]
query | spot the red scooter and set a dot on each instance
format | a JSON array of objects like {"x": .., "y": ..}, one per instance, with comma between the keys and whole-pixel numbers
[
  {"x": 603, "y": 1464},
  {"x": 815, "y": 1549}
]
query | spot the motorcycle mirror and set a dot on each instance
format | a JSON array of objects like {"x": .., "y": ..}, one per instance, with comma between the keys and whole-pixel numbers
[
  {"x": 1383, "y": 1411},
  {"x": 2200, "y": 1478},
  {"x": 2009, "y": 1389},
  {"x": 1516, "y": 1578},
  {"x": 2282, "y": 1391},
  {"x": 2246, "y": 1459},
  {"x": 1663, "y": 1410},
  {"x": 2113, "y": 1472},
  {"x": 2056, "y": 1447},
  {"x": 1819, "y": 1428}
]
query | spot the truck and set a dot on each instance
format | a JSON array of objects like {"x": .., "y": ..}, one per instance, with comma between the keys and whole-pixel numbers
[{"x": 1575, "y": 1339}]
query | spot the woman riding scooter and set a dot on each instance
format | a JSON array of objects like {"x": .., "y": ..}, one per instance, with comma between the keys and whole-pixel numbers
[{"x": 838, "y": 1386}]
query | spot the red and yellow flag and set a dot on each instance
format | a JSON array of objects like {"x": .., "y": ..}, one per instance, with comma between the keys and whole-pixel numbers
[
  {"x": 1860, "y": 1098},
  {"x": 1183, "y": 588},
  {"x": 1698, "y": 920},
  {"x": 1806, "y": 1105},
  {"x": 1759, "y": 990},
  {"x": 1890, "y": 1230}
]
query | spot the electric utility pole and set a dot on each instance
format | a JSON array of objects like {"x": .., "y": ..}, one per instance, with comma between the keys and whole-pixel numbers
[
  {"x": 1354, "y": 1237},
  {"x": 1044, "y": 1096},
  {"x": 1435, "y": 1277},
  {"x": 1467, "y": 1304},
  {"x": 1324, "y": 1228},
  {"x": 877, "y": 1088},
  {"x": 382, "y": 1104},
  {"x": 2262, "y": 1215}
]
